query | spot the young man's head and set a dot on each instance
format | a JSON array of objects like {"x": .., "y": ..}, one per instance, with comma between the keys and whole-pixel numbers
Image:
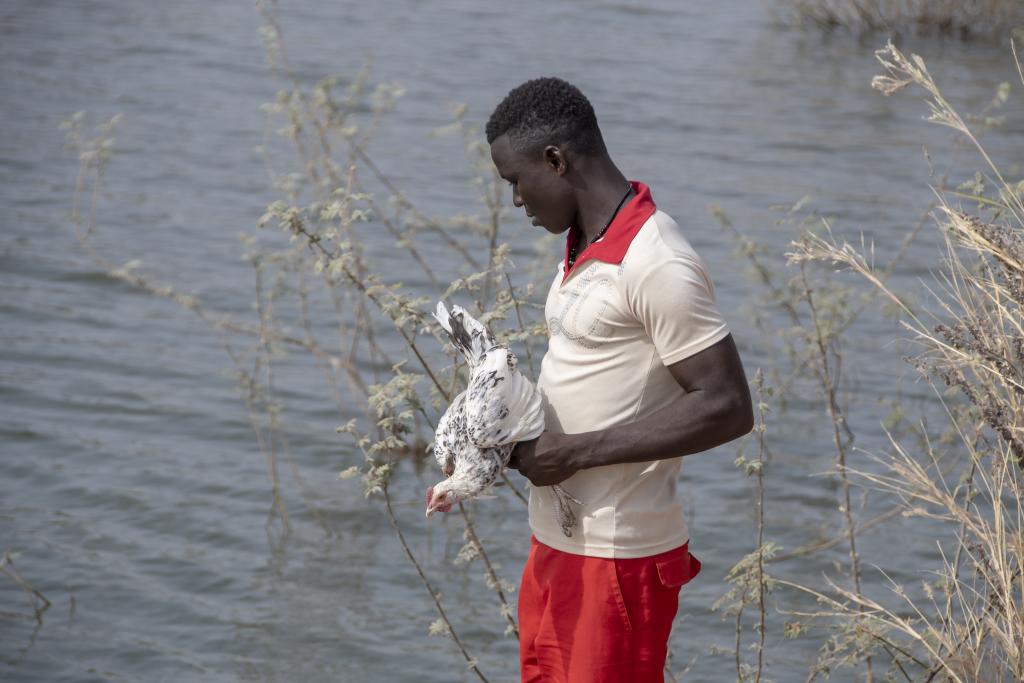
[{"x": 542, "y": 135}]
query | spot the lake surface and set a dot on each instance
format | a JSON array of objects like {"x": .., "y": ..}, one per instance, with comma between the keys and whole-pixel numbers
[{"x": 132, "y": 486}]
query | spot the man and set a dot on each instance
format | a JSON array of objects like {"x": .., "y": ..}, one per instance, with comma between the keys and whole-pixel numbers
[{"x": 641, "y": 369}]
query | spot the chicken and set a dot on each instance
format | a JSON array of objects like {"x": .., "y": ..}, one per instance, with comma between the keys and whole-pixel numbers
[{"x": 477, "y": 433}]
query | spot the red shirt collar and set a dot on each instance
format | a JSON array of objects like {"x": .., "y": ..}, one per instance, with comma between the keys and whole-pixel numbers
[{"x": 612, "y": 247}]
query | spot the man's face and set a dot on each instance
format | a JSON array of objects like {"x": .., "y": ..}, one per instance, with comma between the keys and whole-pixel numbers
[{"x": 538, "y": 184}]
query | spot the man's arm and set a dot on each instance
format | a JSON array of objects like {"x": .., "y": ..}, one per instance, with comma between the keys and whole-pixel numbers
[{"x": 716, "y": 408}]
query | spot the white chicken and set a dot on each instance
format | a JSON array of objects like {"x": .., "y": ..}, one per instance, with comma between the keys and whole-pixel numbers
[{"x": 477, "y": 433}]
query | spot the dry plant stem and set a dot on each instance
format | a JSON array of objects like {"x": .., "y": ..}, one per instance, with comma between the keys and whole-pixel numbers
[
  {"x": 330, "y": 167},
  {"x": 405, "y": 241},
  {"x": 1016, "y": 59},
  {"x": 515, "y": 489},
  {"x": 739, "y": 633},
  {"x": 828, "y": 384},
  {"x": 492, "y": 200},
  {"x": 192, "y": 303},
  {"x": 820, "y": 249},
  {"x": 359, "y": 151},
  {"x": 453, "y": 388},
  {"x": 669, "y": 657},
  {"x": 494, "y": 211},
  {"x": 363, "y": 330},
  {"x": 403, "y": 201},
  {"x": 263, "y": 359},
  {"x": 762, "y": 587},
  {"x": 522, "y": 326},
  {"x": 995, "y": 556},
  {"x": 875, "y": 610},
  {"x": 976, "y": 629},
  {"x": 826, "y": 545},
  {"x": 222, "y": 324},
  {"x": 328, "y": 370},
  {"x": 250, "y": 396},
  {"x": 899, "y": 665},
  {"x": 8, "y": 569},
  {"x": 389, "y": 225},
  {"x": 263, "y": 332},
  {"x": 307, "y": 493},
  {"x": 426, "y": 582},
  {"x": 410, "y": 342},
  {"x": 948, "y": 613},
  {"x": 492, "y": 576},
  {"x": 361, "y": 286},
  {"x": 891, "y": 649},
  {"x": 902, "y": 72},
  {"x": 763, "y": 272},
  {"x": 766, "y": 277},
  {"x": 217, "y": 321}
]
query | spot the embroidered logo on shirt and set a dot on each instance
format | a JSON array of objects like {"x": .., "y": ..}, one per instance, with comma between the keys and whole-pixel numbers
[{"x": 582, "y": 320}]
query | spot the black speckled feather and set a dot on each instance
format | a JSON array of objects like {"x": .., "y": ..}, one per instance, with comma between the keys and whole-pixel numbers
[{"x": 500, "y": 407}]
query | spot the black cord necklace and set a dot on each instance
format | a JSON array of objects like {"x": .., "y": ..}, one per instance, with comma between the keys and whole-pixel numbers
[{"x": 572, "y": 250}]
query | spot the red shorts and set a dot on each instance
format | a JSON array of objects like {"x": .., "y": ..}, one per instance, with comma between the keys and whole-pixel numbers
[{"x": 598, "y": 620}]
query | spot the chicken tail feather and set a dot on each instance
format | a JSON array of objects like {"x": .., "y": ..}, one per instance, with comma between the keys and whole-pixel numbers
[{"x": 466, "y": 333}]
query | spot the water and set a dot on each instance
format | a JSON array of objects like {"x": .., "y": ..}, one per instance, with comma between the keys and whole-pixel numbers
[{"x": 133, "y": 487}]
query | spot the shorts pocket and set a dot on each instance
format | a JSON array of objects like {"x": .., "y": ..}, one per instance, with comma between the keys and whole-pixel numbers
[{"x": 678, "y": 570}]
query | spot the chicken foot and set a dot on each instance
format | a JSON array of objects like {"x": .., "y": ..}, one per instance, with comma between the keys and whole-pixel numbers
[{"x": 566, "y": 517}]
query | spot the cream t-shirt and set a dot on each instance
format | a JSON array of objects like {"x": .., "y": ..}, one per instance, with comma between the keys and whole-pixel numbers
[{"x": 613, "y": 328}]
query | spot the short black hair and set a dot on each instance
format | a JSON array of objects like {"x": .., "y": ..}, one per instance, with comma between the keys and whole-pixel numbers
[{"x": 546, "y": 111}]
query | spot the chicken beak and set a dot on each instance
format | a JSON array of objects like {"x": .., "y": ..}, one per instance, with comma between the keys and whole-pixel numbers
[
  {"x": 437, "y": 502},
  {"x": 431, "y": 503}
]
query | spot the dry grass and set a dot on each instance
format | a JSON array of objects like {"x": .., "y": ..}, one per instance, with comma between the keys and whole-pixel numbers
[{"x": 970, "y": 625}]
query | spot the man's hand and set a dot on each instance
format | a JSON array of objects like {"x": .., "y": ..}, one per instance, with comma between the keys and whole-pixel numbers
[{"x": 545, "y": 460}]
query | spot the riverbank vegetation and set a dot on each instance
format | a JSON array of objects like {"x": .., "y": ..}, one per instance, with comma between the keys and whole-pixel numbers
[
  {"x": 969, "y": 624},
  {"x": 964, "y": 19},
  {"x": 316, "y": 272}
]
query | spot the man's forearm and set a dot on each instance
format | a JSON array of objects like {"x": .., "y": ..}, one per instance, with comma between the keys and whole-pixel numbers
[
  {"x": 692, "y": 424},
  {"x": 715, "y": 408}
]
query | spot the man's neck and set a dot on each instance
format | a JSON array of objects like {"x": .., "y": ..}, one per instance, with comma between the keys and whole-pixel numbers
[{"x": 603, "y": 192}]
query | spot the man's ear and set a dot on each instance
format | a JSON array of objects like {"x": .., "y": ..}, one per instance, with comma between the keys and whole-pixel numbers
[{"x": 554, "y": 158}]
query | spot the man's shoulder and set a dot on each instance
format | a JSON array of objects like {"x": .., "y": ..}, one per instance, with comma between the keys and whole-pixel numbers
[{"x": 660, "y": 240}]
